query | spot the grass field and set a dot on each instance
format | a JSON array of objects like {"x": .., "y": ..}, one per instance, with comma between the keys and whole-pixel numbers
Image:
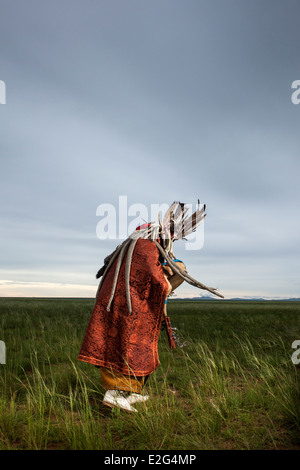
[{"x": 234, "y": 386}]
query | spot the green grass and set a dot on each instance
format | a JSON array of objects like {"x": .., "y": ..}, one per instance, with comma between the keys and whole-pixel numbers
[{"x": 234, "y": 386}]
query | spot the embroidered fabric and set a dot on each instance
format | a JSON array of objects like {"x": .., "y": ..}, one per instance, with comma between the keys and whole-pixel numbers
[{"x": 123, "y": 342}]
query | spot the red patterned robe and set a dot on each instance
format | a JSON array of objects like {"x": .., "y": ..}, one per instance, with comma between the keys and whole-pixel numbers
[{"x": 128, "y": 343}]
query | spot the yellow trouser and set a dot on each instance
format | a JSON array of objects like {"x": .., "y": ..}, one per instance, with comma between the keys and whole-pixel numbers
[{"x": 113, "y": 380}]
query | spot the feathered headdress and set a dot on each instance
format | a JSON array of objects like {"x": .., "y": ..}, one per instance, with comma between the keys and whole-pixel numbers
[{"x": 176, "y": 225}]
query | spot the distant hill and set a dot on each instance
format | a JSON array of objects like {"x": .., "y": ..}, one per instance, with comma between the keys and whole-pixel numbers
[{"x": 293, "y": 299}]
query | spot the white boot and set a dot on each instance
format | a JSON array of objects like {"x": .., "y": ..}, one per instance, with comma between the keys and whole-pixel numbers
[
  {"x": 118, "y": 398},
  {"x": 137, "y": 398}
]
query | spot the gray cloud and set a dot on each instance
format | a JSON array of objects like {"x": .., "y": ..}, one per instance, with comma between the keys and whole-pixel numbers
[{"x": 158, "y": 101}]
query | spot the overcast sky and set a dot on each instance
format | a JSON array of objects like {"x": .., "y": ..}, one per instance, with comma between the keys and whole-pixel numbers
[{"x": 156, "y": 101}]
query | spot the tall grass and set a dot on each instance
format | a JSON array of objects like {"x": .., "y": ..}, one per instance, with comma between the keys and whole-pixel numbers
[{"x": 233, "y": 386}]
